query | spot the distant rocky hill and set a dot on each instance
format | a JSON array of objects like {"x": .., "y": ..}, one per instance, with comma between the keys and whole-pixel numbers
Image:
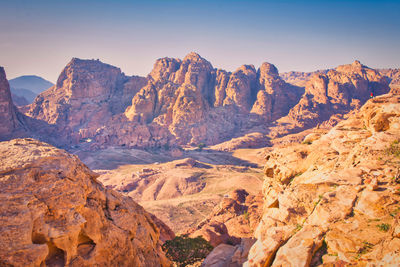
[
  {"x": 19, "y": 100},
  {"x": 299, "y": 78},
  {"x": 33, "y": 83},
  {"x": 189, "y": 102},
  {"x": 28, "y": 86}
]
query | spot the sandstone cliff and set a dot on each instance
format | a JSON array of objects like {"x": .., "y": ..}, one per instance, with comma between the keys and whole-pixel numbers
[
  {"x": 338, "y": 91},
  {"x": 8, "y": 112},
  {"x": 55, "y": 213},
  {"x": 188, "y": 102},
  {"x": 334, "y": 200},
  {"x": 177, "y": 104}
]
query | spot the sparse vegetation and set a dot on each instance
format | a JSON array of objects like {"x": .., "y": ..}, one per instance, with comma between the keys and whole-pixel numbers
[
  {"x": 364, "y": 249},
  {"x": 201, "y": 146},
  {"x": 184, "y": 250},
  {"x": 246, "y": 215},
  {"x": 319, "y": 200},
  {"x": 166, "y": 146},
  {"x": 384, "y": 227},
  {"x": 394, "y": 149},
  {"x": 395, "y": 212},
  {"x": 307, "y": 142}
]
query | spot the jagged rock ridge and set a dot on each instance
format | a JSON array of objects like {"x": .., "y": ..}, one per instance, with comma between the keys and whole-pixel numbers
[{"x": 188, "y": 102}]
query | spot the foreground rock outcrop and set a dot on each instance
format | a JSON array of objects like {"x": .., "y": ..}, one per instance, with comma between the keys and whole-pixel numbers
[
  {"x": 55, "y": 213},
  {"x": 334, "y": 200}
]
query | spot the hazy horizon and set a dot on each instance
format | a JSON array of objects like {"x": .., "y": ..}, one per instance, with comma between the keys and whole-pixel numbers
[{"x": 40, "y": 37}]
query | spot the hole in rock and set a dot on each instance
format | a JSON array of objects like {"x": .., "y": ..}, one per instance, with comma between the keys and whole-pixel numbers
[
  {"x": 85, "y": 245},
  {"x": 56, "y": 256}
]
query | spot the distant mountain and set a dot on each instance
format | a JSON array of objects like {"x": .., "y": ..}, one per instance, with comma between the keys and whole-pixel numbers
[
  {"x": 19, "y": 100},
  {"x": 33, "y": 83},
  {"x": 28, "y": 86},
  {"x": 25, "y": 93}
]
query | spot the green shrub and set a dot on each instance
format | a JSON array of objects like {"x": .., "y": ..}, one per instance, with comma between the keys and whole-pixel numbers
[
  {"x": 185, "y": 250},
  {"x": 201, "y": 146},
  {"x": 384, "y": 227},
  {"x": 393, "y": 149},
  {"x": 246, "y": 215}
]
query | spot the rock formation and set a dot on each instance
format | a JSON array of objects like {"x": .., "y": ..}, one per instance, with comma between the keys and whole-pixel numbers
[
  {"x": 188, "y": 102},
  {"x": 177, "y": 104},
  {"x": 87, "y": 94},
  {"x": 236, "y": 216},
  {"x": 334, "y": 199},
  {"x": 8, "y": 117},
  {"x": 275, "y": 97},
  {"x": 55, "y": 213},
  {"x": 337, "y": 92},
  {"x": 299, "y": 78},
  {"x": 393, "y": 77}
]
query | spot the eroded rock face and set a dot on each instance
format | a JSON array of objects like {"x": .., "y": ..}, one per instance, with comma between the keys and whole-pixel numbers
[
  {"x": 275, "y": 97},
  {"x": 55, "y": 213},
  {"x": 336, "y": 91},
  {"x": 234, "y": 218},
  {"x": 87, "y": 95},
  {"x": 334, "y": 199},
  {"x": 8, "y": 116}
]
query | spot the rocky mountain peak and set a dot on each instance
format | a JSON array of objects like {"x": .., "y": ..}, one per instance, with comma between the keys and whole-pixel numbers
[
  {"x": 193, "y": 56},
  {"x": 268, "y": 69},
  {"x": 246, "y": 69},
  {"x": 355, "y": 67},
  {"x": 164, "y": 67},
  {"x": 88, "y": 78},
  {"x": 357, "y": 63}
]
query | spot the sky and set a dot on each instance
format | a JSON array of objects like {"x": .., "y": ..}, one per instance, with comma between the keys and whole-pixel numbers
[{"x": 40, "y": 37}]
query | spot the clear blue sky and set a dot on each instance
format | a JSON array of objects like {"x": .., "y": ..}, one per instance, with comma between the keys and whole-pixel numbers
[{"x": 40, "y": 37}]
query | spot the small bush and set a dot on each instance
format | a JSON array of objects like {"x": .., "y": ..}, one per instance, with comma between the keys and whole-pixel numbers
[
  {"x": 185, "y": 250},
  {"x": 246, "y": 215},
  {"x": 384, "y": 227},
  {"x": 166, "y": 146},
  {"x": 201, "y": 146},
  {"x": 393, "y": 149}
]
